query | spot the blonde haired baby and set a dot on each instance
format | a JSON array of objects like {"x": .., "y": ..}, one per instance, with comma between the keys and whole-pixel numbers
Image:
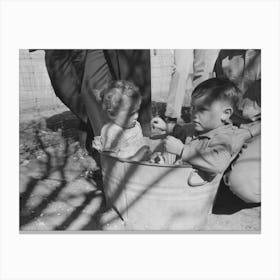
[{"x": 122, "y": 137}]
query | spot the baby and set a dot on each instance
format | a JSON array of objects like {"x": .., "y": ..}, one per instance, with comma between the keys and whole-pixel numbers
[
  {"x": 210, "y": 141},
  {"x": 122, "y": 137}
]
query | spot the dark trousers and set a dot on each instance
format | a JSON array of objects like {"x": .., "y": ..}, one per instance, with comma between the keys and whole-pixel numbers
[{"x": 75, "y": 74}]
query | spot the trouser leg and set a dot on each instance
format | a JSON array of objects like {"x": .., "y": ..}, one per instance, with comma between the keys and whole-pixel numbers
[
  {"x": 65, "y": 69},
  {"x": 204, "y": 62},
  {"x": 135, "y": 66},
  {"x": 184, "y": 66},
  {"x": 96, "y": 75}
]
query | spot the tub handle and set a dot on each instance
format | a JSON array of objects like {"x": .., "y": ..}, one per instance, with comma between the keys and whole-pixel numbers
[{"x": 191, "y": 181}]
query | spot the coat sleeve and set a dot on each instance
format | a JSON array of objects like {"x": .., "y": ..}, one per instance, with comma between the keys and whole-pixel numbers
[{"x": 209, "y": 155}]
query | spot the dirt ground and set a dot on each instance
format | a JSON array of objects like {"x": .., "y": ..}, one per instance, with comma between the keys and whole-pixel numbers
[{"x": 57, "y": 192}]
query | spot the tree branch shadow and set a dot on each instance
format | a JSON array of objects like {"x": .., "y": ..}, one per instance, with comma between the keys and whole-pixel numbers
[
  {"x": 53, "y": 168},
  {"x": 227, "y": 203}
]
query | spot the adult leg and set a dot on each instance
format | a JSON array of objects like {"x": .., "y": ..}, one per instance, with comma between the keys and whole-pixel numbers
[
  {"x": 103, "y": 66},
  {"x": 204, "y": 62},
  {"x": 244, "y": 179},
  {"x": 184, "y": 66},
  {"x": 135, "y": 66},
  {"x": 65, "y": 69},
  {"x": 96, "y": 75}
]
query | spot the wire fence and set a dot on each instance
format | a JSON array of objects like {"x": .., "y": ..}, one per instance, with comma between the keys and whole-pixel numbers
[{"x": 36, "y": 95}]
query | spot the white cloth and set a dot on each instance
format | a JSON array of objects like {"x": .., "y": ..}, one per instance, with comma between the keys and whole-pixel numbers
[{"x": 120, "y": 142}]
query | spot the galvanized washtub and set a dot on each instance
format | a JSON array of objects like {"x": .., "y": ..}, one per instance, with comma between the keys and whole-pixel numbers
[{"x": 156, "y": 197}]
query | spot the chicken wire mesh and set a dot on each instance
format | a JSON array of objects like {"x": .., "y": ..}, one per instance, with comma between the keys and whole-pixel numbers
[{"x": 36, "y": 96}]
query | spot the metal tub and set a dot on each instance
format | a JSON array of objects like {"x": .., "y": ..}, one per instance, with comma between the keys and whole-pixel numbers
[{"x": 148, "y": 196}]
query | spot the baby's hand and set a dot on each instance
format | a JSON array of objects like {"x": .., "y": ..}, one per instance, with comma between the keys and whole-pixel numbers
[
  {"x": 247, "y": 131},
  {"x": 173, "y": 145},
  {"x": 254, "y": 127},
  {"x": 159, "y": 123},
  {"x": 97, "y": 143},
  {"x": 157, "y": 158}
]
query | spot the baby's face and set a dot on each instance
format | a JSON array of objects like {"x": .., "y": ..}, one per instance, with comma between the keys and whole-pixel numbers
[
  {"x": 128, "y": 113},
  {"x": 206, "y": 117}
]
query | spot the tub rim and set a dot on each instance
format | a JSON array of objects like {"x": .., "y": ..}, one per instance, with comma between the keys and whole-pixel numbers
[{"x": 146, "y": 163}]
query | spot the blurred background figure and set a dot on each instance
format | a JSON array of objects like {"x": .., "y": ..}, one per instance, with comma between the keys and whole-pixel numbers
[
  {"x": 191, "y": 67},
  {"x": 243, "y": 67}
]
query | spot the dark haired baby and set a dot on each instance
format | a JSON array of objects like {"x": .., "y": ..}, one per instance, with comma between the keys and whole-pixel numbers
[{"x": 210, "y": 142}]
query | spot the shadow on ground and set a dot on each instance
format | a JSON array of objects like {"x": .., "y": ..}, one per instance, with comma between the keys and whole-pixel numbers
[
  {"x": 67, "y": 122},
  {"x": 56, "y": 192},
  {"x": 55, "y": 189},
  {"x": 227, "y": 203}
]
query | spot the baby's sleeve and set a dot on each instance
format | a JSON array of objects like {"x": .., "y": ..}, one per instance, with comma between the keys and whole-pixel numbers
[
  {"x": 110, "y": 138},
  {"x": 213, "y": 155}
]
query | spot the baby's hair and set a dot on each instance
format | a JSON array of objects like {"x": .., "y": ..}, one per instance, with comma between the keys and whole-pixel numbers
[
  {"x": 218, "y": 89},
  {"x": 112, "y": 95}
]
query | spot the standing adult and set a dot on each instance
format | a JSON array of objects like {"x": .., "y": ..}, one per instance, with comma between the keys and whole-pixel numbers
[
  {"x": 194, "y": 65},
  {"x": 135, "y": 66}
]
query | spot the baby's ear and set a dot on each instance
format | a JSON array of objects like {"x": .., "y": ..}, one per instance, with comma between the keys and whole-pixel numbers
[{"x": 227, "y": 114}]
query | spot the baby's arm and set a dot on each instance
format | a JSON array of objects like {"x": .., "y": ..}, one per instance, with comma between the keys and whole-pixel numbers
[
  {"x": 251, "y": 129},
  {"x": 160, "y": 124},
  {"x": 213, "y": 157},
  {"x": 178, "y": 131},
  {"x": 111, "y": 138},
  {"x": 245, "y": 133}
]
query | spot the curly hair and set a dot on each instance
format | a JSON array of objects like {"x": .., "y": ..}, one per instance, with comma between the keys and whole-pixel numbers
[{"x": 112, "y": 95}]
